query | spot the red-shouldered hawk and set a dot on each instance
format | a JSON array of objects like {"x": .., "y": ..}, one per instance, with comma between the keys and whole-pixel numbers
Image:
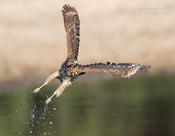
[{"x": 70, "y": 69}]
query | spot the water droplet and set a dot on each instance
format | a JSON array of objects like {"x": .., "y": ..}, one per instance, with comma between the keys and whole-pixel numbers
[
  {"x": 33, "y": 116},
  {"x": 51, "y": 123},
  {"x": 44, "y": 134}
]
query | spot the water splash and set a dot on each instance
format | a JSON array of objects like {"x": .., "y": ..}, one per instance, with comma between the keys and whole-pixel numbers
[{"x": 41, "y": 118}]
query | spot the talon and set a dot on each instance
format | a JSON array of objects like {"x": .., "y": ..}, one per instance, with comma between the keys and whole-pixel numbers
[
  {"x": 36, "y": 90},
  {"x": 48, "y": 100}
]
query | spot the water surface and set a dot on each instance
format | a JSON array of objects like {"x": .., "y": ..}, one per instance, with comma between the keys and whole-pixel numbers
[{"x": 135, "y": 107}]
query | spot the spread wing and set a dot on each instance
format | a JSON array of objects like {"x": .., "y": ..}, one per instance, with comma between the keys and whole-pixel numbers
[
  {"x": 125, "y": 70},
  {"x": 72, "y": 27}
]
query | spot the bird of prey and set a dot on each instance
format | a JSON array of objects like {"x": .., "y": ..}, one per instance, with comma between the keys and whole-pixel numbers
[{"x": 71, "y": 69}]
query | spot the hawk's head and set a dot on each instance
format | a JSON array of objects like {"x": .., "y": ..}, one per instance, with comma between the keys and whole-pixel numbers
[{"x": 70, "y": 62}]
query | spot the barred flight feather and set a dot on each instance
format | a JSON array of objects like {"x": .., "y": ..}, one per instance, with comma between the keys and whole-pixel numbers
[
  {"x": 72, "y": 27},
  {"x": 124, "y": 70}
]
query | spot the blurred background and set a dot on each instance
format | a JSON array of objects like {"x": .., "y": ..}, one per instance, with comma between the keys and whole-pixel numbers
[
  {"x": 33, "y": 41},
  {"x": 33, "y": 45}
]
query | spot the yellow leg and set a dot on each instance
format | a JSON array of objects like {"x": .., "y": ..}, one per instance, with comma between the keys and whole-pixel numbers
[
  {"x": 59, "y": 90},
  {"x": 49, "y": 99},
  {"x": 37, "y": 89},
  {"x": 49, "y": 79}
]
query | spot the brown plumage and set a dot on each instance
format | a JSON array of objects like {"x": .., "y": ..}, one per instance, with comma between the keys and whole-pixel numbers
[
  {"x": 125, "y": 70},
  {"x": 70, "y": 69},
  {"x": 72, "y": 27}
]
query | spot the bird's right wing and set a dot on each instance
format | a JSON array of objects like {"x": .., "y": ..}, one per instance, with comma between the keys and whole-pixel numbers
[
  {"x": 125, "y": 70},
  {"x": 72, "y": 27}
]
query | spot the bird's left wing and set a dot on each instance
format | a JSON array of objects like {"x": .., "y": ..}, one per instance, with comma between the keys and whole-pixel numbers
[
  {"x": 72, "y": 27},
  {"x": 125, "y": 70}
]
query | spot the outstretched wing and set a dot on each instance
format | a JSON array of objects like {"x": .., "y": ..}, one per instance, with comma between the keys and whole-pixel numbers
[
  {"x": 124, "y": 70},
  {"x": 72, "y": 27}
]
